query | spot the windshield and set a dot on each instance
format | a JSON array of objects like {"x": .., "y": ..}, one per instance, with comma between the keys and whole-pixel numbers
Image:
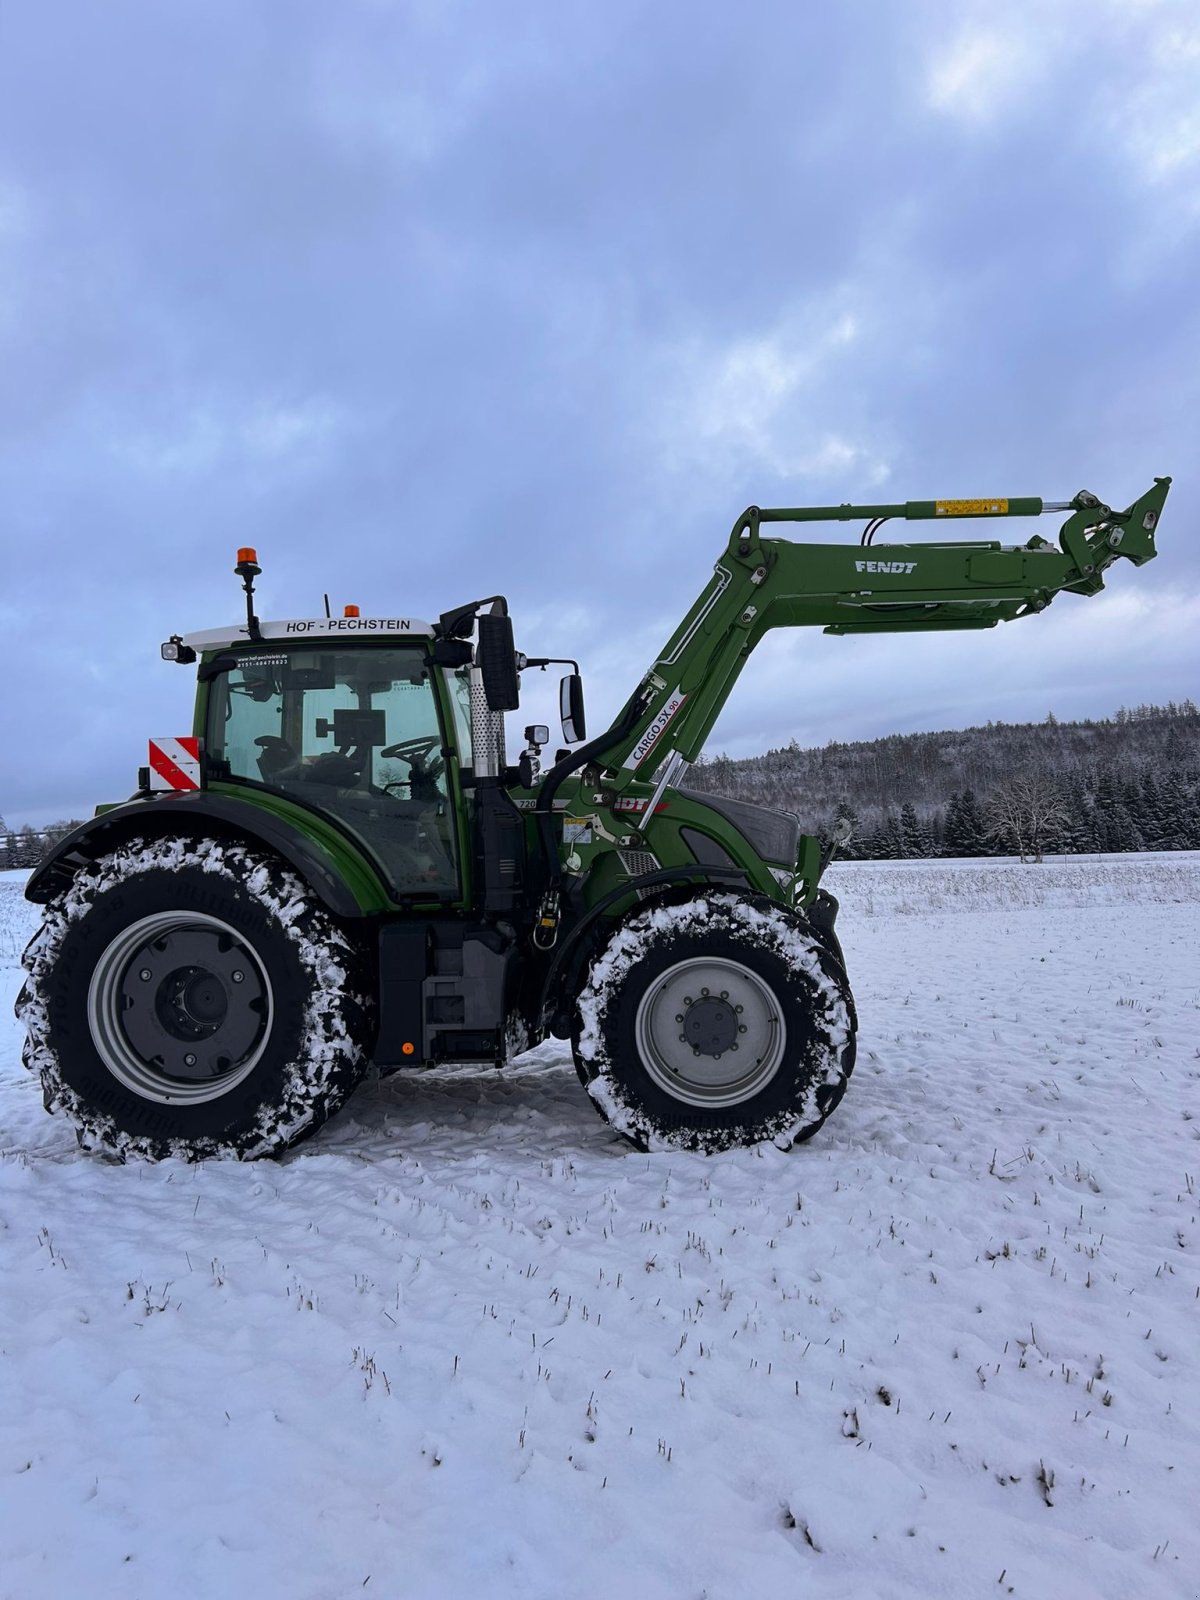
[{"x": 354, "y": 733}]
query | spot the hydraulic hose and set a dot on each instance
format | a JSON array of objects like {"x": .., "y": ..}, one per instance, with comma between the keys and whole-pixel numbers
[{"x": 544, "y": 809}]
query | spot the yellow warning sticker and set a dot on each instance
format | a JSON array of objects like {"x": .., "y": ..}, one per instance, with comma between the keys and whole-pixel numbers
[{"x": 971, "y": 508}]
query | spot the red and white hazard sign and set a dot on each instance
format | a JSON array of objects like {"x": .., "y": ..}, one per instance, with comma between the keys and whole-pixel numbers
[{"x": 175, "y": 763}]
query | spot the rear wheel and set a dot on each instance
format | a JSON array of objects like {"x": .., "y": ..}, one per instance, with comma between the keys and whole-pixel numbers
[
  {"x": 715, "y": 1023},
  {"x": 187, "y": 997}
]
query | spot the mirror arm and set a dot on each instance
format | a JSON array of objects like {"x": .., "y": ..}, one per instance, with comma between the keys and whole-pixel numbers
[
  {"x": 552, "y": 661},
  {"x": 458, "y": 623}
]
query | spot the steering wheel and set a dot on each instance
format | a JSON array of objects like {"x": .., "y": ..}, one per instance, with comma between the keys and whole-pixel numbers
[
  {"x": 423, "y": 772},
  {"x": 407, "y": 749}
]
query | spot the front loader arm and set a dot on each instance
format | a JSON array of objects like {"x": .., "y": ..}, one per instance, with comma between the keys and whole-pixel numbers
[{"x": 763, "y": 583}]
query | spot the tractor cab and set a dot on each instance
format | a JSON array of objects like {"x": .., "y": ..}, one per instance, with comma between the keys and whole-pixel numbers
[
  {"x": 389, "y": 730},
  {"x": 372, "y": 734}
]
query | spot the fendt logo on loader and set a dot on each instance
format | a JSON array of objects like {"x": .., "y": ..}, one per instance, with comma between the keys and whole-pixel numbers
[{"x": 885, "y": 566}]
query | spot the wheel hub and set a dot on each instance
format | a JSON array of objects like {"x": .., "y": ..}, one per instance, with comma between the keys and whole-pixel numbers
[
  {"x": 710, "y": 1032},
  {"x": 710, "y": 1025},
  {"x": 179, "y": 1007},
  {"x": 192, "y": 1002}
]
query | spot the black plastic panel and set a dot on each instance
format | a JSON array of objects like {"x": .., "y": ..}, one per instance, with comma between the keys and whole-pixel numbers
[
  {"x": 403, "y": 959},
  {"x": 774, "y": 834}
]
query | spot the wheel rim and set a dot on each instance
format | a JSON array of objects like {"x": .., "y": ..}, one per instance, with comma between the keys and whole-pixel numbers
[
  {"x": 710, "y": 1032},
  {"x": 180, "y": 1008}
]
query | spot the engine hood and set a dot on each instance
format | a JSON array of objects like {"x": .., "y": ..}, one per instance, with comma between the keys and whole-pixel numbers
[{"x": 775, "y": 835}]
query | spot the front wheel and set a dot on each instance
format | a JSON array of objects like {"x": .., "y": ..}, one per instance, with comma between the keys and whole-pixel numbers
[
  {"x": 188, "y": 997},
  {"x": 716, "y": 1023}
]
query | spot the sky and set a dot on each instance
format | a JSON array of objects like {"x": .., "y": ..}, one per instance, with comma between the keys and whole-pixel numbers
[{"x": 433, "y": 300}]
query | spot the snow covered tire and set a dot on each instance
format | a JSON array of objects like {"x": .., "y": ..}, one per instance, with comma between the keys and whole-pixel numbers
[
  {"x": 716, "y": 1023},
  {"x": 198, "y": 951}
]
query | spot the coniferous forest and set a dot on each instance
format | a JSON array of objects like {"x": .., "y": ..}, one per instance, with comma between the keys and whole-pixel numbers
[{"x": 1127, "y": 782}]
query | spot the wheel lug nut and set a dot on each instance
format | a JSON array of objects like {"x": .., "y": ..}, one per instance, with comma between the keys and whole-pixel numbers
[
  {"x": 145, "y": 974},
  {"x": 741, "y": 1027},
  {"x": 238, "y": 977},
  {"x": 683, "y": 1038},
  {"x": 739, "y": 1009},
  {"x": 704, "y": 991},
  {"x": 189, "y": 1060},
  {"x": 724, "y": 994},
  {"x": 679, "y": 1016},
  {"x": 734, "y": 1045}
]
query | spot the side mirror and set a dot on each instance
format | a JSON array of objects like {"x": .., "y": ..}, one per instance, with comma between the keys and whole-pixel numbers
[
  {"x": 497, "y": 659},
  {"x": 570, "y": 706}
]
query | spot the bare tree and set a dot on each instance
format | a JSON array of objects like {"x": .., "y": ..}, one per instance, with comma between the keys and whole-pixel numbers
[{"x": 1028, "y": 812}]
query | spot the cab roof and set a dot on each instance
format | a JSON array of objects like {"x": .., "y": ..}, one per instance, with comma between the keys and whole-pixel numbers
[{"x": 298, "y": 629}]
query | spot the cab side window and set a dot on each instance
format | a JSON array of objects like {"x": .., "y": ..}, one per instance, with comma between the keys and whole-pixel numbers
[{"x": 355, "y": 733}]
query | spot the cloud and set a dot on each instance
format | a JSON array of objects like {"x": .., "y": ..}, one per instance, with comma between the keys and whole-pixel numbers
[
  {"x": 1159, "y": 119},
  {"x": 761, "y": 401},
  {"x": 983, "y": 72},
  {"x": 214, "y": 436},
  {"x": 998, "y": 71},
  {"x": 273, "y": 431},
  {"x": 15, "y": 229},
  {"x": 14, "y": 210}
]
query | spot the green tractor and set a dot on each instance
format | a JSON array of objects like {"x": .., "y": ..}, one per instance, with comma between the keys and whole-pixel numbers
[{"x": 339, "y": 866}]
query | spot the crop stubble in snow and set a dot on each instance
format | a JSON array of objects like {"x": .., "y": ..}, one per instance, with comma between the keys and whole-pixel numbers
[{"x": 467, "y": 1343}]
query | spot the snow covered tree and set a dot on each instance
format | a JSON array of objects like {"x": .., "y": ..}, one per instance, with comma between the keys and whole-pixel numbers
[
  {"x": 1180, "y": 814},
  {"x": 1027, "y": 811},
  {"x": 914, "y": 841},
  {"x": 27, "y": 848},
  {"x": 1077, "y": 835},
  {"x": 965, "y": 832},
  {"x": 891, "y": 838},
  {"x": 1116, "y": 828}
]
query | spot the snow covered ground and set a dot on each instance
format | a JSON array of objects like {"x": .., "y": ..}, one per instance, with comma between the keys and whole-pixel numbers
[{"x": 466, "y": 1343}]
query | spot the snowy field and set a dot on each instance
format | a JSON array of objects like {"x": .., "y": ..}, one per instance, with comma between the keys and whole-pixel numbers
[{"x": 467, "y": 1344}]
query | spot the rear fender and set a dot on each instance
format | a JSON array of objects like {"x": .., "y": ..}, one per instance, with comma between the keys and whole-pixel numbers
[{"x": 199, "y": 812}]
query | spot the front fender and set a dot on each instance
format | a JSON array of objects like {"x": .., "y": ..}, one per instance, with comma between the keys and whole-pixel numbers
[
  {"x": 330, "y": 871},
  {"x": 574, "y": 948}
]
